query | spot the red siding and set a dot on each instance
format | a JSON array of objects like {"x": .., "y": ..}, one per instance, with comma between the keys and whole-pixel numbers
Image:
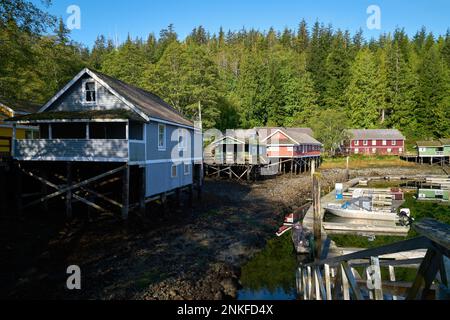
[{"x": 394, "y": 145}]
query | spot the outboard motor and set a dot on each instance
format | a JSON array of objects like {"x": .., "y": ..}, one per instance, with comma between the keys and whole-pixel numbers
[{"x": 405, "y": 217}]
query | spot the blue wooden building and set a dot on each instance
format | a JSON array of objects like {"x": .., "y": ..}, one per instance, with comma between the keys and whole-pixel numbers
[{"x": 98, "y": 122}]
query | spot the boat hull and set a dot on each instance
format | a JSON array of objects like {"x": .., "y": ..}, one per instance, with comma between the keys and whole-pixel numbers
[{"x": 360, "y": 214}]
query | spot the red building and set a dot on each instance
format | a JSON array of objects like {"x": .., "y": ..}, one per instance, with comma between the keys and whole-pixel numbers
[
  {"x": 375, "y": 142},
  {"x": 294, "y": 143}
]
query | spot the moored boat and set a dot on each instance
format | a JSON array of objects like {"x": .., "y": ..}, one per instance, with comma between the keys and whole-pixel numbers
[{"x": 359, "y": 213}]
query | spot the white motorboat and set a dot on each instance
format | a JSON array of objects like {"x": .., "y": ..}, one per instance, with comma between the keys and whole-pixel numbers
[{"x": 354, "y": 212}]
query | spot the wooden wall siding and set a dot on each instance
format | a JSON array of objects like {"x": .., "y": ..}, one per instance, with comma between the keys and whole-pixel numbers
[
  {"x": 379, "y": 143},
  {"x": 137, "y": 151},
  {"x": 171, "y": 143},
  {"x": 79, "y": 150},
  {"x": 159, "y": 170},
  {"x": 159, "y": 178},
  {"x": 279, "y": 138},
  {"x": 72, "y": 99},
  {"x": 280, "y": 152}
]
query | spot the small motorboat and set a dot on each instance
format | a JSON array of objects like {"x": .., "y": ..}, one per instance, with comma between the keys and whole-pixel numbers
[
  {"x": 283, "y": 230},
  {"x": 363, "y": 211}
]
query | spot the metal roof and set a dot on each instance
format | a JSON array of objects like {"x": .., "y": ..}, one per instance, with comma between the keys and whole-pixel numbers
[{"x": 376, "y": 134}]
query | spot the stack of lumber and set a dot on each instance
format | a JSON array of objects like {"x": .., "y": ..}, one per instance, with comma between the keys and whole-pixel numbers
[{"x": 443, "y": 182}]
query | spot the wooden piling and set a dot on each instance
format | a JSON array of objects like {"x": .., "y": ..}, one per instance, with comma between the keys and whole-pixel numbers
[
  {"x": 69, "y": 192},
  {"x": 317, "y": 215},
  {"x": 125, "y": 192},
  {"x": 18, "y": 194},
  {"x": 3, "y": 198},
  {"x": 142, "y": 191},
  {"x": 347, "y": 170}
]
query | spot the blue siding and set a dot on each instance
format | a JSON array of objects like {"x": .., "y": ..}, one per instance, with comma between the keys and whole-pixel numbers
[
  {"x": 159, "y": 172},
  {"x": 72, "y": 99}
]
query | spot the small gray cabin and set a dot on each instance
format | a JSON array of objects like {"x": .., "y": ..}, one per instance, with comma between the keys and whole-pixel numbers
[{"x": 99, "y": 121}]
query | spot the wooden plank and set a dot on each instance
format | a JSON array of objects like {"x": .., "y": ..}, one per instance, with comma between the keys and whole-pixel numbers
[
  {"x": 406, "y": 245},
  {"x": 69, "y": 191},
  {"x": 420, "y": 278},
  {"x": 437, "y": 231},
  {"x": 317, "y": 228},
  {"x": 345, "y": 284},
  {"x": 325, "y": 249},
  {"x": 125, "y": 192},
  {"x": 326, "y": 269},
  {"x": 352, "y": 282},
  {"x": 376, "y": 277},
  {"x": 320, "y": 284},
  {"x": 75, "y": 186}
]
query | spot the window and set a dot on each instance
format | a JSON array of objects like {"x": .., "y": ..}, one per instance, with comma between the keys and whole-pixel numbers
[
  {"x": 374, "y": 142},
  {"x": 400, "y": 150},
  {"x": 43, "y": 131},
  {"x": 112, "y": 130},
  {"x": 356, "y": 142},
  {"x": 356, "y": 151},
  {"x": 89, "y": 92},
  {"x": 389, "y": 150},
  {"x": 161, "y": 137},
  {"x": 136, "y": 131},
  {"x": 174, "y": 171},
  {"x": 365, "y": 142},
  {"x": 384, "y": 142},
  {"x": 394, "y": 142},
  {"x": 68, "y": 131},
  {"x": 187, "y": 169},
  {"x": 374, "y": 150},
  {"x": 32, "y": 134}
]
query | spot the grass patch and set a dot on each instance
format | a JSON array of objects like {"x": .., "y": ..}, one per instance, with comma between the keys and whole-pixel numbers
[
  {"x": 364, "y": 162},
  {"x": 149, "y": 278}
]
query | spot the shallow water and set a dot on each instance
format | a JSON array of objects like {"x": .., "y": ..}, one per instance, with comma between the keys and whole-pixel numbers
[{"x": 270, "y": 274}]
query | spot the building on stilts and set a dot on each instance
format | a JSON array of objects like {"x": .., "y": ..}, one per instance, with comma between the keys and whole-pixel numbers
[{"x": 108, "y": 145}]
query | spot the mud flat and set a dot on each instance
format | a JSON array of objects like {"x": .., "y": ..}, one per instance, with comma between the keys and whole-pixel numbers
[{"x": 188, "y": 254}]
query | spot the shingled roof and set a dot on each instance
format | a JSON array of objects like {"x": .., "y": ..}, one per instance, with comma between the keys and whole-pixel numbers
[
  {"x": 147, "y": 102},
  {"x": 376, "y": 134},
  {"x": 264, "y": 132},
  {"x": 20, "y": 106},
  {"x": 144, "y": 103}
]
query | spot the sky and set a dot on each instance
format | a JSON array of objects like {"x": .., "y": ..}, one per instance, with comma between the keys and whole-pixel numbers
[{"x": 141, "y": 17}]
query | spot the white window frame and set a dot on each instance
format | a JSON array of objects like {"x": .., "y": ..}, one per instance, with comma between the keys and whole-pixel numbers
[
  {"x": 356, "y": 150},
  {"x": 393, "y": 142},
  {"x": 356, "y": 142},
  {"x": 84, "y": 92},
  {"x": 162, "y": 147},
  {"x": 374, "y": 150},
  {"x": 400, "y": 150},
  {"x": 365, "y": 142},
  {"x": 384, "y": 142},
  {"x": 176, "y": 170},
  {"x": 374, "y": 142},
  {"x": 188, "y": 171},
  {"x": 389, "y": 150}
]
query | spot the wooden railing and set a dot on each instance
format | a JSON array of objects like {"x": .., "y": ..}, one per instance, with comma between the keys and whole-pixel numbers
[{"x": 337, "y": 278}]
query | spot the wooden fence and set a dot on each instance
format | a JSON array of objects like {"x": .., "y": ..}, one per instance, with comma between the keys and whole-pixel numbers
[{"x": 338, "y": 278}]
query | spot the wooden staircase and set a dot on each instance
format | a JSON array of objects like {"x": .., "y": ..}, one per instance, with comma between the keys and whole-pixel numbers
[{"x": 341, "y": 278}]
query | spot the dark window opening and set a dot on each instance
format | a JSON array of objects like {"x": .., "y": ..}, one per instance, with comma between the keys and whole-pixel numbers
[
  {"x": 69, "y": 131},
  {"x": 43, "y": 131},
  {"x": 107, "y": 131},
  {"x": 89, "y": 89},
  {"x": 136, "y": 131}
]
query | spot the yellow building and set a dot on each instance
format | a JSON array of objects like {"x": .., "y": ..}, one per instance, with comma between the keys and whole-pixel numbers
[{"x": 11, "y": 109}]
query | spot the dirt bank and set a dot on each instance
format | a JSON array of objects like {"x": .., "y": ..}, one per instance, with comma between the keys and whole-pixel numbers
[{"x": 189, "y": 254}]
